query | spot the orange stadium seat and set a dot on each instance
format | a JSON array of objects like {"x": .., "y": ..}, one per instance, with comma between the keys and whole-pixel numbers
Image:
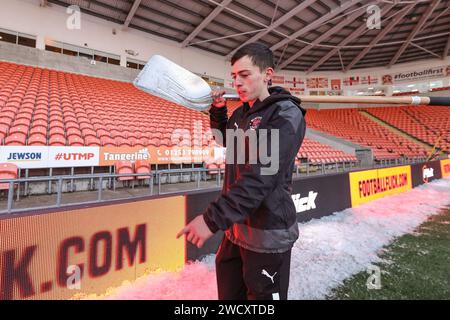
[
  {"x": 107, "y": 141},
  {"x": 122, "y": 142},
  {"x": 21, "y": 129},
  {"x": 7, "y": 171},
  {"x": 57, "y": 131},
  {"x": 7, "y": 116},
  {"x": 72, "y": 131},
  {"x": 37, "y": 140},
  {"x": 142, "y": 142},
  {"x": 92, "y": 141},
  {"x": 142, "y": 166},
  {"x": 16, "y": 139},
  {"x": 38, "y": 130},
  {"x": 123, "y": 167},
  {"x": 21, "y": 121},
  {"x": 57, "y": 140},
  {"x": 212, "y": 168},
  {"x": 39, "y": 123},
  {"x": 103, "y": 133},
  {"x": 75, "y": 141}
]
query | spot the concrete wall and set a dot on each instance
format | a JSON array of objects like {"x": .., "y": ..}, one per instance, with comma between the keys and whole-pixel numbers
[
  {"x": 339, "y": 144},
  {"x": 51, "y": 60},
  {"x": 364, "y": 154}
]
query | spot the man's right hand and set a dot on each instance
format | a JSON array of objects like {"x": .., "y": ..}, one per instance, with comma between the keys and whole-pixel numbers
[{"x": 218, "y": 99}]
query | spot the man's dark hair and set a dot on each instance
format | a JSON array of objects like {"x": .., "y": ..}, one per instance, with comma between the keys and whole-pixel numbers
[{"x": 259, "y": 53}]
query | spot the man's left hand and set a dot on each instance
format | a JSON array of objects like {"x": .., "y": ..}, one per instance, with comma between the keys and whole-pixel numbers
[{"x": 197, "y": 232}]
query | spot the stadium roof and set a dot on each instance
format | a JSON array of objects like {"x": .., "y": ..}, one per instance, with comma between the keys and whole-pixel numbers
[{"x": 308, "y": 35}]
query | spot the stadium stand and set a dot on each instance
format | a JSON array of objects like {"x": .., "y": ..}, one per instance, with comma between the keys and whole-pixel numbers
[
  {"x": 316, "y": 153},
  {"x": 47, "y": 107},
  {"x": 44, "y": 107},
  {"x": 350, "y": 125},
  {"x": 427, "y": 124}
]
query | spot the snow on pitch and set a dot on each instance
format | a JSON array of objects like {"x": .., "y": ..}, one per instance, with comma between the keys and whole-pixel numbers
[{"x": 328, "y": 251}]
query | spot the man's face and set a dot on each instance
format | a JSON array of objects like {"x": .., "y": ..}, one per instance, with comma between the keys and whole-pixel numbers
[{"x": 248, "y": 80}]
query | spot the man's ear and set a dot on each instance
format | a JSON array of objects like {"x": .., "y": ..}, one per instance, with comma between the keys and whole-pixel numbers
[{"x": 269, "y": 74}]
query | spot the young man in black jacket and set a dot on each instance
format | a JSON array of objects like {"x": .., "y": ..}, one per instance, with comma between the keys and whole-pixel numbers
[{"x": 255, "y": 208}]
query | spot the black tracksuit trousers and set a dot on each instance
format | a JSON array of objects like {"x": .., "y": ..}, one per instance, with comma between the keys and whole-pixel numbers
[{"x": 247, "y": 275}]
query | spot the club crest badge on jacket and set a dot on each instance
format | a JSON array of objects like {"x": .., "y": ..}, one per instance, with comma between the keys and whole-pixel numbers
[{"x": 255, "y": 122}]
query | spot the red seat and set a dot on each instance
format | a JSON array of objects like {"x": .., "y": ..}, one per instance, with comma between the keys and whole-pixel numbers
[
  {"x": 122, "y": 167},
  {"x": 131, "y": 134},
  {"x": 154, "y": 142},
  {"x": 5, "y": 121},
  {"x": 92, "y": 141},
  {"x": 37, "y": 140},
  {"x": 39, "y": 130},
  {"x": 72, "y": 125},
  {"x": 115, "y": 133},
  {"x": 142, "y": 166},
  {"x": 85, "y": 125},
  {"x": 103, "y": 133},
  {"x": 22, "y": 121},
  {"x": 41, "y": 116},
  {"x": 88, "y": 132},
  {"x": 56, "y": 131},
  {"x": 39, "y": 123},
  {"x": 17, "y": 139},
  {"x": 142, "y": 142},
  {"x": 122, "y": 142},
  {"x": 7, "y": 171},
  {"x": 57, "y": 140},
  {"x": 107, "y": 141},
  {"x": 21, "y": 129},
  {"x": 212, "y": 168},
  {"x": 166, "y": 142},
  {"x": 73, "y": 132},
  {"x": 75, "y": 141}
]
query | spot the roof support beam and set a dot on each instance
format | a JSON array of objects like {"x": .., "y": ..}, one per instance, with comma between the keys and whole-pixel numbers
[
  {"x": 381, "y": 35},
  {"x": 205, "y": 22},
  {"x": 340, "y": 59},
  {"x": 445, "y": 53},
  {"x": 224, "y": 37},
  {"x": 275, "y": 24},
  {"x": 415, "y": 31},
  {"x": 345, "y": 22},
  {"x": 430, "y": 23},
  {"x": 426, "y": 50},
  {"x": 361, "y": 29},
  {"x": 130, "y": 16},
  {"x": 316, "y": 23}
]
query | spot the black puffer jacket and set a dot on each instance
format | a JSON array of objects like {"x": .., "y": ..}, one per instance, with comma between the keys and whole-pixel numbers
[{"x": 255, "y": 208}]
